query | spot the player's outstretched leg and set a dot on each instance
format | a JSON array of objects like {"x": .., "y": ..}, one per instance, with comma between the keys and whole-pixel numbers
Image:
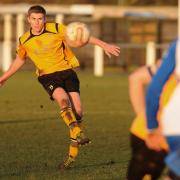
[
  {"x": 76, "y": 132},
  {"x": 73, "y": 152}
]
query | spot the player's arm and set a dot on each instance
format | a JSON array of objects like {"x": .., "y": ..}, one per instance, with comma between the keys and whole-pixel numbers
[
  {"x": 109, "y": 49},
  {"x": 153, "y": 96},
  {"x": 77, "y": 35},
  {"x": 15, "y": 66},
  {"x": 137, "y": 82},
  {"x": 155, "y": 88}
]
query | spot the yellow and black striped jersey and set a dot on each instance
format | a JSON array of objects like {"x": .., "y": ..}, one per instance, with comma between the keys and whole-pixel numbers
[{"x": 48, "y": 50}]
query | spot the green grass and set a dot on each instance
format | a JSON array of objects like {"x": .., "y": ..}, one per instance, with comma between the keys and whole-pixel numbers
[{"x": 34, "y": 140}]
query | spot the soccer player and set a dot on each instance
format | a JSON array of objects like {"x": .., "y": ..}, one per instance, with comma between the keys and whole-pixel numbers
[
  {"x": 144, "y": 162},
  {"x": 47, "y": 46},
  {"x": 170, "y": 115}
]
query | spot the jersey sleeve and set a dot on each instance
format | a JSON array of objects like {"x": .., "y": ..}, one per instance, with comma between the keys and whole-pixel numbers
[
  {"x": 21, "y": 51},
  {"x": 156, "y": 86},
  {"x": 61, "y": 30}
]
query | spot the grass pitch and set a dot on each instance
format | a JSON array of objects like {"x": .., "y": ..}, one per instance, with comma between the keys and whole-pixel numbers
[{"x": 34, "y": 140}]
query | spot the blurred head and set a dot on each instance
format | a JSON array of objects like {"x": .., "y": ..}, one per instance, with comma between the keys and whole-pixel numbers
[{"x": 36, "y": 18}]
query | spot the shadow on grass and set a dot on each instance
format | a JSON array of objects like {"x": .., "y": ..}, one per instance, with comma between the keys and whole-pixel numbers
[
  {"x": 45, "y": 169},
  {"x": 108, "y": 163}
]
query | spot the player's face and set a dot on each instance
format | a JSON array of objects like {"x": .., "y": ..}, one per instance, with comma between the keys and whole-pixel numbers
[{"x": 36, "y": 21}]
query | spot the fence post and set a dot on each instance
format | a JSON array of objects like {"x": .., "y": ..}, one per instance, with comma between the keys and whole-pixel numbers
[
  {"x": 59, "y": 18},
  {"x": 150, "y": 53},
  {"x": 98, "y": 61},
  {"x": 19, "y": 26},
  {"x": 7, "y": 44}
]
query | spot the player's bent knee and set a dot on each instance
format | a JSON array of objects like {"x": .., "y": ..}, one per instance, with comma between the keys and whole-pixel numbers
[{"x": 64, "y": 103}]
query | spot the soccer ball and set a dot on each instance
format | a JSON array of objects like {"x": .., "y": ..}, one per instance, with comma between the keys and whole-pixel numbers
[{"x": 77, "y": 34}]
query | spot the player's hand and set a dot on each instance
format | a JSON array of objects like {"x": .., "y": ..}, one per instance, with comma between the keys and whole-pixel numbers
[
  {"x": 111, "y": 49},
  {"x": 154, "y": 139},
  {"x": 1, "y": 82}
]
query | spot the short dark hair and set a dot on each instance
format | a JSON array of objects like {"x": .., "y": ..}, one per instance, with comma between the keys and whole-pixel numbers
[{"x": 36, "y": 9}]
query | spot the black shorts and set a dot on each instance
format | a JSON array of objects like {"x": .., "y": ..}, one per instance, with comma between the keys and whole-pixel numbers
[
  {"x": 144, "y": 160},
  {"x": 66, "y": 79}
]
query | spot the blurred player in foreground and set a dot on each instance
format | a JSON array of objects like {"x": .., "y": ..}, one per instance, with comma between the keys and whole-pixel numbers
[
  {"x": 170, "y": 124},
  {"x": 48, "y": 47},
  {"x": 144, "y": 162}
]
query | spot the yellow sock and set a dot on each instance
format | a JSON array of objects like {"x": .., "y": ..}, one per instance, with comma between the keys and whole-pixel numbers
[
  {"x": 147, "y": 177},
  {"x": 73, "y": 151},
  {"x": 70, "y": 120},
  {"x": 74, "y": 132},
  {"x": 68, "y": 116}
]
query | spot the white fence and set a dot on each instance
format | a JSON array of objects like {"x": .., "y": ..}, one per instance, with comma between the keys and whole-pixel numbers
[{"x": 8, "y": 11}]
